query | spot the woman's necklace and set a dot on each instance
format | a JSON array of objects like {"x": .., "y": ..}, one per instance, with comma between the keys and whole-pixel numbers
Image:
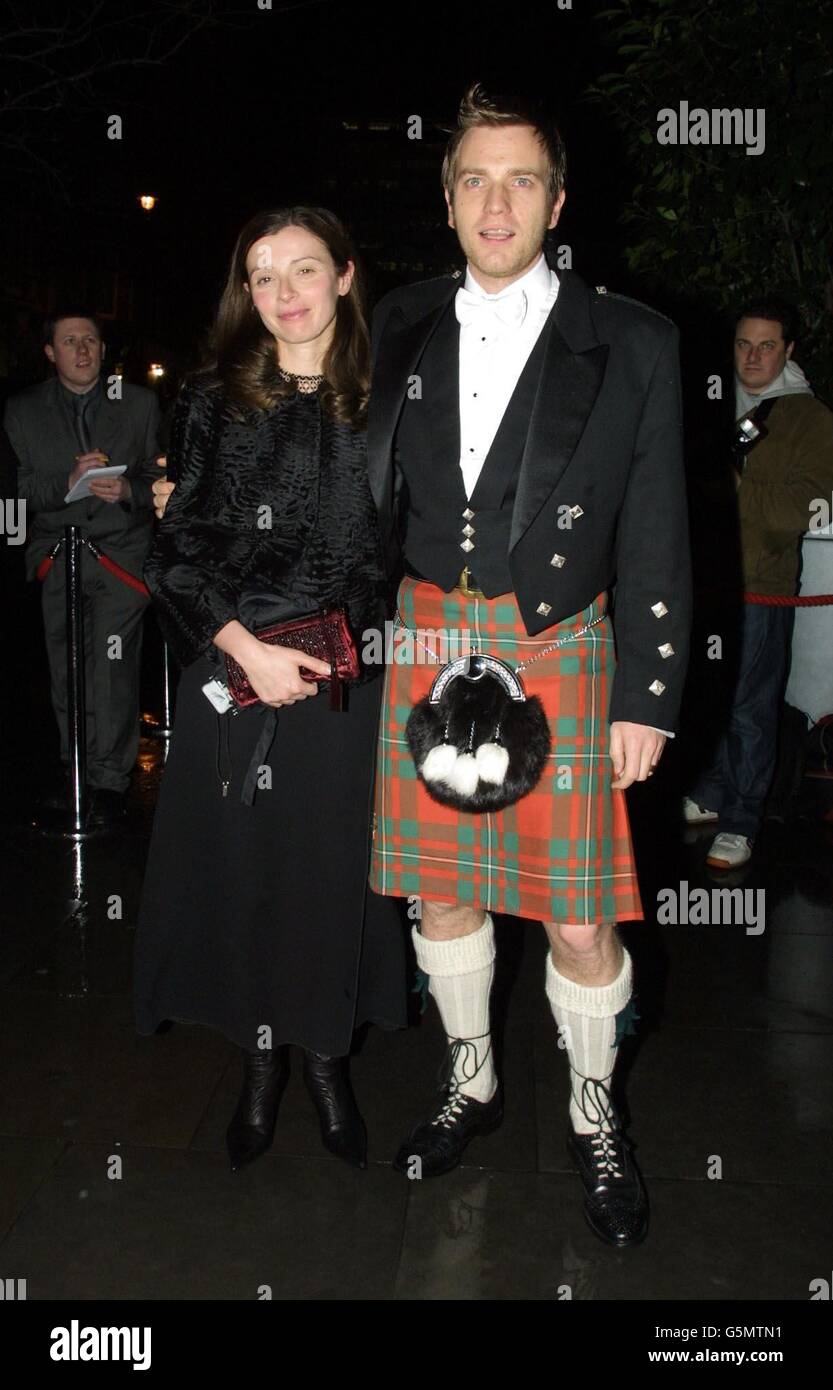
[{"x": 304, "y": 383}]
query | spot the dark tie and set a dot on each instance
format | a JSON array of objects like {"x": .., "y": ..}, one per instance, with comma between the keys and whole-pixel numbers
[{"x": 81, "y": 429}]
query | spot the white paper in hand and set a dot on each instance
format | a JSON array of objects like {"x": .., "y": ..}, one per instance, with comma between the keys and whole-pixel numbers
[{"x": 82, "y": 487}]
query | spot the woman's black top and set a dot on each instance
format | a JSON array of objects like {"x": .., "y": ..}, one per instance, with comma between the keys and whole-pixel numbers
[{"x": 267, "y": 503}]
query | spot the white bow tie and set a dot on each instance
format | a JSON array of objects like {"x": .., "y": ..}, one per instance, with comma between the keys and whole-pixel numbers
[{"x": 473, "y": 308}]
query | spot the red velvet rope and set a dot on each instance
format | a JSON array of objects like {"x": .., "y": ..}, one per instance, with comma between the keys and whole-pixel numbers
[
  {"x": 124, "y": 575},
  {"x": 782, "y": 601},
  {"x": 778, "y": 600}
]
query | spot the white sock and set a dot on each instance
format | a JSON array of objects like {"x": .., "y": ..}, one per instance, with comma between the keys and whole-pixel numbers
[
  {"x": 460, "y": 979},
  {"x": 586, "y": 1019}
]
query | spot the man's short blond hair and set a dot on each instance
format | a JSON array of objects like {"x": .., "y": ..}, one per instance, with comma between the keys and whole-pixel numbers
[{"x": 478, "y": 109}]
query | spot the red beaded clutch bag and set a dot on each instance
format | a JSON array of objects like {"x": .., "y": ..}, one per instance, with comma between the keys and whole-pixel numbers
[{"x": 324, "y": 635}]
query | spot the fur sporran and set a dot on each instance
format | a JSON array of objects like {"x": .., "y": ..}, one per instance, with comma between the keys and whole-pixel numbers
[{"x": 478, "y": 741}]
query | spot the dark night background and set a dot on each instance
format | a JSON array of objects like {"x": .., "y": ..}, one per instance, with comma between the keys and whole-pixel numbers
[
  {"x": 227, "y": 109},
  {"x": 271, "y": 107}
]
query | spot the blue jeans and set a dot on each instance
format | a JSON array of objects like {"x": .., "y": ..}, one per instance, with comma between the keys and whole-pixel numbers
[{"x": 737, "y": 781}]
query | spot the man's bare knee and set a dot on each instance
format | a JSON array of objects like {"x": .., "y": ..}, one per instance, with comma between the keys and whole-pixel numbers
[
  {"x": 589, "y": 955},
  {"x": 445, "y": 921},
  {"x": 571, "y": 940}
]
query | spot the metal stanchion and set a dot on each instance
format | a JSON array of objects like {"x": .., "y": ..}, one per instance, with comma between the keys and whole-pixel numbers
[
  {"x": 71, "y": 823},
  {"x": 164, "y": 729},
  {"x": 76, "y": 703}
]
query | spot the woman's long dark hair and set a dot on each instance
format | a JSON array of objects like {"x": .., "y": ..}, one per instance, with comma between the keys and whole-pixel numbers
[{"x": 242, "y": 355}]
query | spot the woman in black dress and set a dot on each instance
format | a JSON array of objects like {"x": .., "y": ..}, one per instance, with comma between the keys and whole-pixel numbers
[{"x": 256, "y": 917}]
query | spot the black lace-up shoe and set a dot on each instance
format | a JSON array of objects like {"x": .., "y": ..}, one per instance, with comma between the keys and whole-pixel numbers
[
  {"x": 440, "y": 1142},
  {"x": 615, "y": 1201}
]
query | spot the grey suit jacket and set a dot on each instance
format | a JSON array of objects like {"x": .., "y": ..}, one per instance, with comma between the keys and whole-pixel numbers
[{"x": 42, "y": 437}]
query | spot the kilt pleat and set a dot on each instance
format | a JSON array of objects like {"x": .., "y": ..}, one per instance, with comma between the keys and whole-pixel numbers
[{"x": 563, "y": 853}]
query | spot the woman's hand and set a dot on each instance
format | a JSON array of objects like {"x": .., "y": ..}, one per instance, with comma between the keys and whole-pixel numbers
[
  {"x": 275, "y": 674},
  {"x": 273, "y": 671},
  {"x": 161, "y": 490}
]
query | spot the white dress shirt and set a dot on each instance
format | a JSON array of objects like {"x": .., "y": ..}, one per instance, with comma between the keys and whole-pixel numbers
[
  {"x": 493, "y": 354},
  {"x": 497, "y": 335}
]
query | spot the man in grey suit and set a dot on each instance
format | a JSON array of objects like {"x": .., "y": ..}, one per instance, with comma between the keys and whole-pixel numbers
[{"x": 74, "y": 423}]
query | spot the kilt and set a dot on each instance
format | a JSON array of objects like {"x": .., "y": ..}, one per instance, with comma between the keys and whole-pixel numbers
[{"x": 563, "y": 853}]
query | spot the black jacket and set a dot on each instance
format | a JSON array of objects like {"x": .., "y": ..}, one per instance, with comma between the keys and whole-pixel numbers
[
  {"x": 271, "y": 511},
  {"x": 605, "y": 435}
]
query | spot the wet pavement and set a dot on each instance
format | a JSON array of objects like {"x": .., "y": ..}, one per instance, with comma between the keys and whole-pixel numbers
[{"x": 114, "y": 1181}]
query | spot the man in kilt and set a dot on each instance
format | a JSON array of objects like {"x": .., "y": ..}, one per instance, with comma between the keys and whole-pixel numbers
[{"x": 525, "y": 455}]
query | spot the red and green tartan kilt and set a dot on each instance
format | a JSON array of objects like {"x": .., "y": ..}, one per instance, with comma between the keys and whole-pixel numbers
[{"x": 564, "y": 852}]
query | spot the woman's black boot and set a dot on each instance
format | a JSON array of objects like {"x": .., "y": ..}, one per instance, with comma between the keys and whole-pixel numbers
[
  {"x": 342, "y": 1127},
  {"x": 252, "y": 1128}
]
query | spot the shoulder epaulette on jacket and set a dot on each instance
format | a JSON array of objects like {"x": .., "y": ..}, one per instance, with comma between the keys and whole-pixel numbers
[
  {"x": 626, "y": 299},
  {"x": 432, "y": 280}
]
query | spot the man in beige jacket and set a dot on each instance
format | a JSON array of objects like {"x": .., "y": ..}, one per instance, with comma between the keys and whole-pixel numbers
[{"x": 783, "y": 465}]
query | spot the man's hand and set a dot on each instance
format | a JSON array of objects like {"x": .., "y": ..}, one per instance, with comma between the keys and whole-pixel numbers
[
  {"x": 635, "y": 751},
  {"x": 83, "y": 464},
  {"x": 111, "y": 489},
  {"x": 161, "y": 490},
  {"x": 105, "y": 489}
]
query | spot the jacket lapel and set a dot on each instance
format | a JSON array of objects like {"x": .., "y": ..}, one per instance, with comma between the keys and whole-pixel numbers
[
  {"x": 498, "y": 478},
  {"x": 441, "y": 378},
  {"x": 570, "y": 381},
  {"x": 398, "y": 356}
]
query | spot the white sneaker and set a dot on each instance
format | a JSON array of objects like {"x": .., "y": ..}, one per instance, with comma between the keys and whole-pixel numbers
[
  {"x": 728, "y": 851},
  {"x": 696, "y": 815}
]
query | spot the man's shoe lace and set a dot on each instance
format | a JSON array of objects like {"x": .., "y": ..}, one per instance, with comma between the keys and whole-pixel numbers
[{"x": 460, "y": 1051}]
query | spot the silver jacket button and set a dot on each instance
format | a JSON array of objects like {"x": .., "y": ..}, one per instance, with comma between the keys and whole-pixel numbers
[
  {"x": 576, "y": 511},
  {"x": 558, "y": 561},
  {"x": 659, "y": 609},
  {"x": 466, "y": 545},
  {"x": 666, "y": 649},
  {"x": 656, "y": 687},
  {"x": 544, "y": 609}
]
